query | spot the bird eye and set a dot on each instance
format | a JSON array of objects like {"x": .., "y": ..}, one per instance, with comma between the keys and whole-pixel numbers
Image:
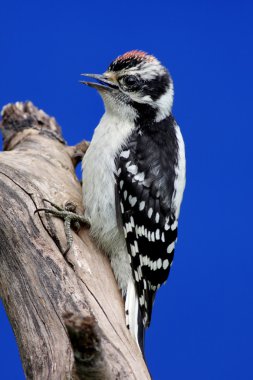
[{"x": 130, "y": 80}]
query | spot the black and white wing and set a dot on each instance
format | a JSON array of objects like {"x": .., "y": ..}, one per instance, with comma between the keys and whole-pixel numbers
[{"x": 146, "y": 172}]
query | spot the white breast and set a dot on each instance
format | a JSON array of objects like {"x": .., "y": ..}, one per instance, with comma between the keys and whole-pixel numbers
[{"x": 99, "y": 189}]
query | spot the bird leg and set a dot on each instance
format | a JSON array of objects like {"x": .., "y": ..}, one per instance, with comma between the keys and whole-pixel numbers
[{"x": 70, "y": 218}]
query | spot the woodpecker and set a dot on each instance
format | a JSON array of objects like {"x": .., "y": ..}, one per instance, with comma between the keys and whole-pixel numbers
[{"x": 134, "y": 179}]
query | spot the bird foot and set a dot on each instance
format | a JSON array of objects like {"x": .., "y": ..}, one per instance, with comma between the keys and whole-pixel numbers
[{"x": 70, "y": 218}]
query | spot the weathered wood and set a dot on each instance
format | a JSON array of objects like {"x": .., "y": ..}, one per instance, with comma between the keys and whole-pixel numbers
[
  {"x": 85, "y": 337},
  {"x": 39, "y": 287}
]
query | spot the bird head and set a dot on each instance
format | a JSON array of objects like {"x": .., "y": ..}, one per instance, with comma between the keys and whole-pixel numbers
[{"x": 135, "y": 83}]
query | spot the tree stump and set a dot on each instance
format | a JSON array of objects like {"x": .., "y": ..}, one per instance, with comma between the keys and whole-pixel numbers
[{"x": 66, "y": 311}]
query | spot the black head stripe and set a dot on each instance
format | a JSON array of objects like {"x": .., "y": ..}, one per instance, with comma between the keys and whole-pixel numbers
[
  {"x": 129, "y": 59},
  {"x": 127, "y": 63},
  {"x": 157, "y": 86}
]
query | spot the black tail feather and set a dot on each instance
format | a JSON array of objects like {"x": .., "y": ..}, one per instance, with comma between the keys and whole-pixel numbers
[{"x": 141, "y": 333}]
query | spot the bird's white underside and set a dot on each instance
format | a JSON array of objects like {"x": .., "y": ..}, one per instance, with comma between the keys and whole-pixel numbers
[{"x": 99, "y": 192}]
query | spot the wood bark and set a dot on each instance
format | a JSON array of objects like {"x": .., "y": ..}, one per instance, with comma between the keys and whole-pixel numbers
[{"x": 66, "y": 311}]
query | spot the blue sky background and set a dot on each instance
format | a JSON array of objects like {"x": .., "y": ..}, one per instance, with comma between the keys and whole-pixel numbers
[{"x": 202, "y": 320}]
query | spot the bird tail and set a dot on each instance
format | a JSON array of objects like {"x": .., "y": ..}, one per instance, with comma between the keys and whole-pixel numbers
[{"x": 133, "y": 315}]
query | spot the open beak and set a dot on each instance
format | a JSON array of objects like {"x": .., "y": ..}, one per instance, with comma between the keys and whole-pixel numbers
[{"x": 103, "y": 82}]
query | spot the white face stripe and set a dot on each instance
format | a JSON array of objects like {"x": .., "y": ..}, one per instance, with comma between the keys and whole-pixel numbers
[
  {"x": 147, "y": 69},
  {"x": 164, "y": 104}
]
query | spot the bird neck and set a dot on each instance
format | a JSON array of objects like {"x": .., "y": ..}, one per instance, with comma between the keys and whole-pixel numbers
[{"x": 147, "y": 115}]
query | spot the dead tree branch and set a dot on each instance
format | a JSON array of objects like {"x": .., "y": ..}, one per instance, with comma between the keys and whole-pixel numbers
[{"x": 66, "y": 312}]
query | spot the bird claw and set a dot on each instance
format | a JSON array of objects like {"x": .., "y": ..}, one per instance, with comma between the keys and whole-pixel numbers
[{"x": 69, "y": 216}]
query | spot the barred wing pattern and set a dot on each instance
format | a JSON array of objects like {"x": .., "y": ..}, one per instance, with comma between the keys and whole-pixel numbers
[{"x": 145, "y": 188}]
